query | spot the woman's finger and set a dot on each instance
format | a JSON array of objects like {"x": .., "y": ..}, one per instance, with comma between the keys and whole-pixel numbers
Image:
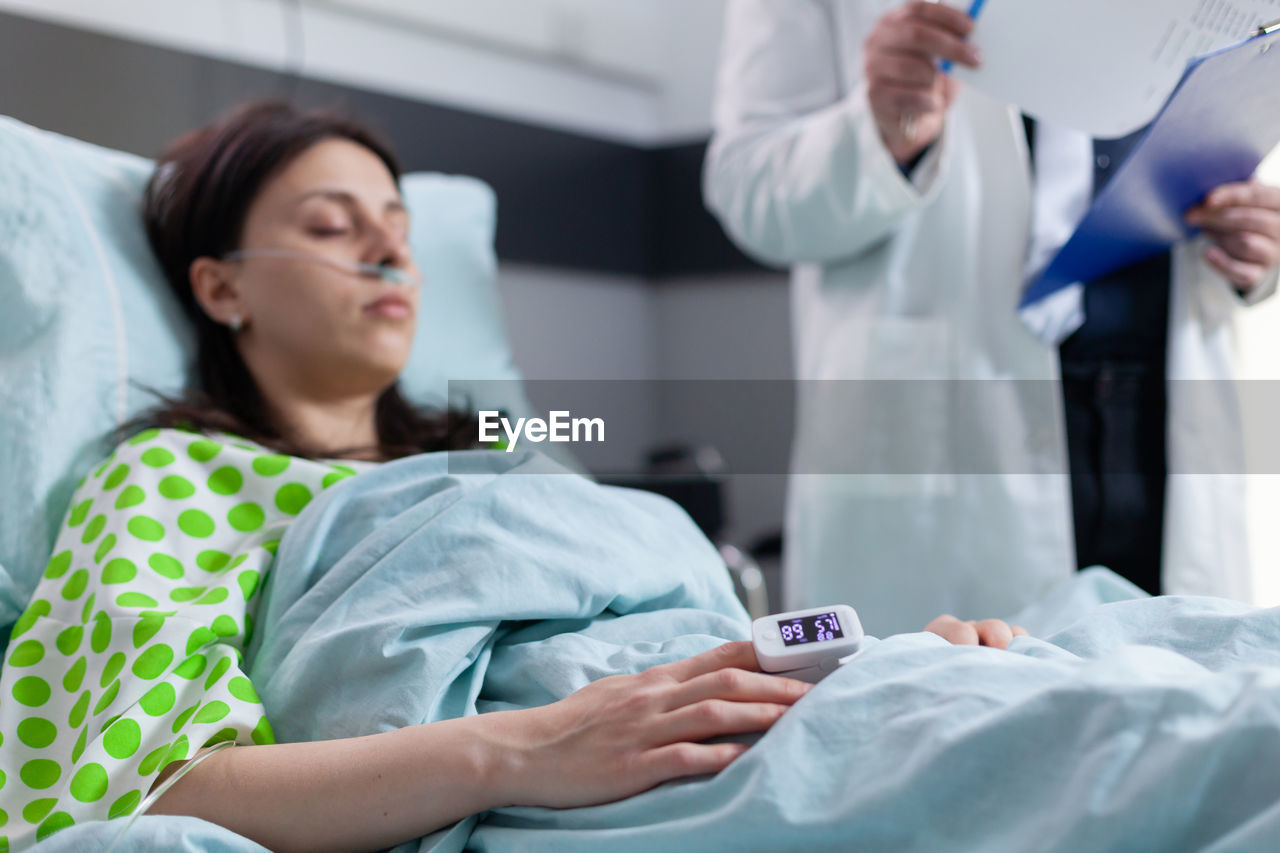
[
  {"x": 954, "y": 631},
  {"x": 714, "y": 718},
  {"x": 736, "y": 655},
  {"x": 737, "y": 685},
  {"x": 994, "y": 633},
  {"x": 686, "y": 759}
]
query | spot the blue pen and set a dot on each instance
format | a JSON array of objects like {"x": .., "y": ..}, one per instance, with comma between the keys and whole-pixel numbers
[
  {"x": 909, "y": 118},
  {"x": 973, "y": 13}
]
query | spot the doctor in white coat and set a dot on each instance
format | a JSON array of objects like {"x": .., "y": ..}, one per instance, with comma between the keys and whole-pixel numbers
[{"x": 906, "y": 207}]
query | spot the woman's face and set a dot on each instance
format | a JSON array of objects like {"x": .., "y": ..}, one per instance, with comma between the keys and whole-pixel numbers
[{"x": 310, "y": 323}]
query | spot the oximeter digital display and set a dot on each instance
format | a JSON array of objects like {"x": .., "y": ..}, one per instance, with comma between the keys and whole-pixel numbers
[
  {"x": 806, "y": 644},
  {"x": 810, "y": 629}
]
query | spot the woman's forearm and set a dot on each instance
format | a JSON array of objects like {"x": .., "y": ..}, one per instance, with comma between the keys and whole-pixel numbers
[
  {"x": 611, "y": 739},
  {"x": 363, "y": 793}
]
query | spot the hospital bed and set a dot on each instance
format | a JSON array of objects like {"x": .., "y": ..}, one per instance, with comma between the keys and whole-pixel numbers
[
  {"x": 88, "y": 327},
  {"x": 1144, "y": 724}
]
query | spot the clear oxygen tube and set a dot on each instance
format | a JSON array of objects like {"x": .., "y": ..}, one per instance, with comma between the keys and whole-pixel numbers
[
  {"x": 151, "y": 798},
  {"x": 384, "y": 272}
]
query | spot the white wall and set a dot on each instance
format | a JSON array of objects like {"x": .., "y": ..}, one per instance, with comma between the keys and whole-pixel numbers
[
  {"x": 668, "y": 47},
  {"x": 690, "y": 51},
  {"x": 637, "y": 71}
]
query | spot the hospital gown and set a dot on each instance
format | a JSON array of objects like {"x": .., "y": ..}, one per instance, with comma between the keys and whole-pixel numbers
[{"x": 130, "y": 654}]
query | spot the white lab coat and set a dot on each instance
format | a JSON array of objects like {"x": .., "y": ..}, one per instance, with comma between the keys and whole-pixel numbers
[{"x": 946, "y": 496}]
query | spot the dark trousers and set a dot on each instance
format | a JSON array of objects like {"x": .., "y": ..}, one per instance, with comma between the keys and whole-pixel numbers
[
  {"x": 1115, "y": 416},
  {"x": 1113, "y": 384},
  {"x": 1114, "y": 390}
]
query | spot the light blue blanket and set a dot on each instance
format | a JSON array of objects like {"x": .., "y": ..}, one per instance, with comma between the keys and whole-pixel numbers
[{"x": 440, "y": 586}]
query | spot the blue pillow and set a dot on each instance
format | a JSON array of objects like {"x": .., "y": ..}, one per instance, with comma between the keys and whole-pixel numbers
[{"x": 87, "y": 322}]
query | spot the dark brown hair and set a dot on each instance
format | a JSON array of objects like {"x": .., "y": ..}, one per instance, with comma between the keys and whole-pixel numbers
[{"x": 195, "y": 206}]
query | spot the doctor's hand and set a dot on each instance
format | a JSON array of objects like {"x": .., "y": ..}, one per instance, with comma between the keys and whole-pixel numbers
[
  {"x": 627, "y": 733},
  {"x": 1243, "y": 221},
  {"x": 988, "y": 632},
  {"x": 909, "y": 95}
]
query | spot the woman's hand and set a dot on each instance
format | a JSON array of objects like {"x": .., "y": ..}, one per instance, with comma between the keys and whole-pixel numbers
[
  {"x": 909, "y": 95},
  {"x": 1243, "y": 221},
  {"x": 613, "y": 738},
  {"x": 627, "y": 733},
  {"x": 988, "y": 632}
]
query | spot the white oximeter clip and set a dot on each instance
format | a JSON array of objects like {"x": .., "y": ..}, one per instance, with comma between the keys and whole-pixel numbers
[{"x": 806, "y": 644}]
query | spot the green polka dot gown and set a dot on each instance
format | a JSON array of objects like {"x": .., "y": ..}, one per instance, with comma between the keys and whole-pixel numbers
[{"x": 129, "y": 655}]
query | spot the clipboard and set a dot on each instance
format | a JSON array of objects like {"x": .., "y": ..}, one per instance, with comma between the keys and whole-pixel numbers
[{"x": 1216, "y": 128}]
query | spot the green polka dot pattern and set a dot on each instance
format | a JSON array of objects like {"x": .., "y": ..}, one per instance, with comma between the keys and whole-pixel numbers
[
  {"x": 157, "y": 457},
  {"x": 127, "y": 657},
  {"x": 125, "y": 804},
  {"x": 79, "y": 513},
  {"x": 246, "y": 517},
  {"x": 293, "y": 498},
  {"x": 225, "y": 481},
  {"x": 212, "y": 561},
  {"x": 27, "y": 653},
  {"x": 116, "y": 478},
  {"x": 269, "y": 466},
  {"x": 165, "y": 565},
  {"x": 51, "y": 824},
  {"x": 132, "y": 496},
  {"x": 176, "y": 488},
  {"x": 146, "y": 528},
  {"x": 58, "y": 565},
  {"x": 151, "y": 763},
  {"x": 76, "y": 585},
  {"x": 119, "y": 570},
  {"x": 104, "y": 548},
  {"x": 203, "y": 450},
  {"x": 90, "y": 783},
  {"x": 37, "y": 732},
  {"x": 196, "y": 523},
  {"x": 94, "y": 529},
  {"x": 122, "y": 738},
  {"x": 69, "y": 640},
  {"x": 159, "y": 699},
  {"x": 32, "y": 691}
]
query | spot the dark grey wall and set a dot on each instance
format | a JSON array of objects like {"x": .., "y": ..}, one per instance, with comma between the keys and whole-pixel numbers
[{"x": 567, "y": 200}]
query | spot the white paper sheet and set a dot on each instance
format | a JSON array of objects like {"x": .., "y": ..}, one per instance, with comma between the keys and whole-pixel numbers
[{"x": 1101, "y": 66}]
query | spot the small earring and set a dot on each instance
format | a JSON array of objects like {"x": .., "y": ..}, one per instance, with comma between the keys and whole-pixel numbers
[{"x": 236, "y": 324}]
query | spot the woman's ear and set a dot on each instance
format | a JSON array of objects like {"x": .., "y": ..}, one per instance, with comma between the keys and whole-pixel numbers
[{"x": 216, "y": 291}]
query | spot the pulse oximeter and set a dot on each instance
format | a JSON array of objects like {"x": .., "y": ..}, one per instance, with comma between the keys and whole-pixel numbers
[{"x": 806, "y": 644}]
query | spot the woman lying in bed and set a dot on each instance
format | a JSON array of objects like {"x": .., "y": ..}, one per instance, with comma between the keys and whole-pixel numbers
[{"x": 127, "y": 665}]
